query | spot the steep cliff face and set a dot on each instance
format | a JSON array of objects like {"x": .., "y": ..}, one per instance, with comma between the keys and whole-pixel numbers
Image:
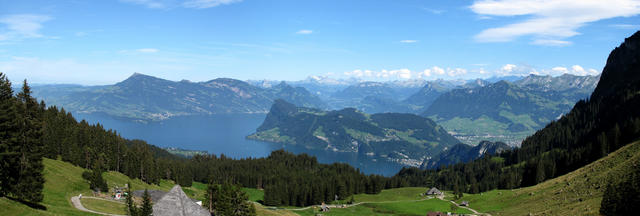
[
  {"x": 464, "y": 153},
  {"x": 623, "y": 64}
]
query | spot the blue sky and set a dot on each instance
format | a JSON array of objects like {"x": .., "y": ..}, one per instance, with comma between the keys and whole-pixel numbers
[{"x": 103, "y": 42}]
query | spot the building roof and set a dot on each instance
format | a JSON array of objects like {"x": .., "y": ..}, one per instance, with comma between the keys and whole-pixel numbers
[
  {"x": 434, "y": 191},
  {"x": 154, "y": 194},
  {"x": 176, "y": 203}
]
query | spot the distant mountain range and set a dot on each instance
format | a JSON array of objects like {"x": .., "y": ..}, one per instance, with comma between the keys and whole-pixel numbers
[
  {"x": 506, "y": 111},
  {"x": 149, "y": 98},
  {"x": 472, "y": 110},
  {"x": 464, "y": 153},
  {"x": 402, "y": 138},
  {"x": 423, "y": 99}
]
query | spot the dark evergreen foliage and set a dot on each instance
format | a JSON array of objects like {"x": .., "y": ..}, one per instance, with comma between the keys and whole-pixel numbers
[
  {"x": 228, "y": 199},
  {"x": 8, "y": 137},
  {"x": 20, "y": 146},
  {"x": 147, "y": 206},
  {"x": 132, "y": 210}
]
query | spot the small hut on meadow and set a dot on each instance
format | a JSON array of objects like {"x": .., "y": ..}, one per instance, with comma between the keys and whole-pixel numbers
[
  {"x": 464, "y": 203},
  {"x": 176, "y": 203},
  {"x": 434, "y": 191}
]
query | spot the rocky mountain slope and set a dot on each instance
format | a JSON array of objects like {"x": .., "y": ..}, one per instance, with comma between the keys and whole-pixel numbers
[
  {"x": 506, "y": 111},
  {"x": 403, "y": 138},
  {"x": 464, "y": 153}
]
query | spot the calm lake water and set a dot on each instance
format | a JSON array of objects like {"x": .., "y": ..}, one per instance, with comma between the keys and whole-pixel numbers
[{"x": 225, "y": 134}]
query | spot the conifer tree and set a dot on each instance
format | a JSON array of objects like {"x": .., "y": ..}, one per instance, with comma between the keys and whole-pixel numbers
[
  {"x": 8, "y": 137},
  {"x": 132, "y": 210},
  {"x": 30, "y": 179},
  {"x": 147, "y": 206}
]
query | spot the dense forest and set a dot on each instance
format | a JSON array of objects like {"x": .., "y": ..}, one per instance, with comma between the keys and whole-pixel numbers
[{"x": 31, "y": 130}]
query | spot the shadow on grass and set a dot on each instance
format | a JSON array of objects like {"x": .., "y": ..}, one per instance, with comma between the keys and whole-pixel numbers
[{"x": 30, "y": 204}]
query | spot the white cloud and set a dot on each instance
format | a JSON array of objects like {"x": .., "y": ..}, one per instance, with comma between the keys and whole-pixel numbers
[
  {"x": 626, "y": 26},
  {"x": 425, "y": 73},
  {"x": 20, "y": 26},
  {"x": 201, "y": 4},
  {"x": 437, "y": 70},
  {"x": 408, "y": 41},
  {"x": 456, "y": 72},
  {"x": 154, "y": 4},
  {"x": 357, "y": 73},
  {"x": 168, "y": 4},
  {"x": 304, "y": 31},
  {"x": 549, "y": 42},
  {"x": 561, "y": 70},
  {"x": 148, "y": 50},
  {"x": 403, "y": 73},
  {"x": 515, "y": 70},
  {"x": 575, "y": 70},
  {"x": 507, "y": 69},
  {"x": 434, "y": 11},
  {"x": 549, "y": 21}
]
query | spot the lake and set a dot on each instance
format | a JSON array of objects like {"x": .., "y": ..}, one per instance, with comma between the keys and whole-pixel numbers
[{"x": 225, "y": 134}]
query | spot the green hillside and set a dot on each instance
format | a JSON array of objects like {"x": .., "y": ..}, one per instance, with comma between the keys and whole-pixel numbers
[
  {"x": 404, "y": 138},
  {"x": 398, "y": 201},
  {"x": 64, "y": 180},
  {"x": 577, "y": 193}
]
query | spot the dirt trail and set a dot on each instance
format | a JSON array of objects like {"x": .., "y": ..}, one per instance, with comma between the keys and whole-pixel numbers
[
  {"x": 467, "y": 208},
  {"x": 346, "y": 205},
  {"x": 360, "y": 203},
  {"x": 78, "y": 205}
]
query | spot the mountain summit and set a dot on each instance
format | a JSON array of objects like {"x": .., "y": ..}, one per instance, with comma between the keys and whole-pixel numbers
[{"x": 623, "y": 64}]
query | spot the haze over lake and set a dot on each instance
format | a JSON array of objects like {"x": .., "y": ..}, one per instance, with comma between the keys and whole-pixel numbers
[{"x": 225, "y": 134}]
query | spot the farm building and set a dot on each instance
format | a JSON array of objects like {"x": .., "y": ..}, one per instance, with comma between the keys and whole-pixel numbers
[
  {"x": 434, "y": 191},
  {"x": 176, "y": 203}
]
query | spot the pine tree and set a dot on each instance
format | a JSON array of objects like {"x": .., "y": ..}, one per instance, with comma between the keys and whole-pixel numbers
[
  {"x": 8, "y": 137},
  {"x": 147, "y": 206},
  {"x": 30, "y": 180},
  {"x": 131, "y": 206},
  {"x": 228, "y": 199}
]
